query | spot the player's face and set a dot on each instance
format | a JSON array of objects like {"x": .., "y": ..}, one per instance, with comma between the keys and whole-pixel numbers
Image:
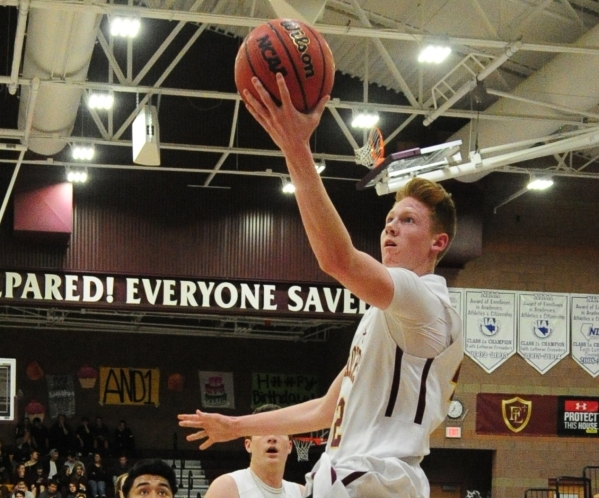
[
  {"x": 269, "y": 449},
  {"x": 149, "y": 486},
  {"x": 407, "y": 239}
]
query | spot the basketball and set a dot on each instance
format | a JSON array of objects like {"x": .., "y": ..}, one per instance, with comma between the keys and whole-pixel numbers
[{"x": 294, "y": 49}]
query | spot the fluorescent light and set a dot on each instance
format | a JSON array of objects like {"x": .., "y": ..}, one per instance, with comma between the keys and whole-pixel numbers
[
  {"x": 365, "y": 119},
  {"x": 77, "y": 176},
  {"x": 82, "y": 152},
  {"x": 434, "y": 54},
  {"x": 125, "y": 27},
  {"x": 540, "y": 183},
  {"x": 100, "y": 100},
  {"x": 288, "y": 187}
]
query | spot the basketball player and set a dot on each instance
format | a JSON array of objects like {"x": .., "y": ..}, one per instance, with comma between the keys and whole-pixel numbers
[
  {"x": 150, "y": 479},
  {"x": 264, "y": 477},
  {"x": 406, "y": 353}
]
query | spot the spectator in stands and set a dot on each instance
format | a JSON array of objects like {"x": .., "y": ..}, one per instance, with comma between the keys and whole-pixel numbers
[
  {"x": 61, "y": 435},
  {"x": 78, "y": 476},
  {"x": 53, "y": 465},
  {"x": 118, "y": 486},
  {"x": 37, "y": 480},
  {"x": 123, "y": 439},
  {"x": 20, "y": 473},
  {"x": 72, "y": 490},
  {"x": 5, "y": 492},
  {"x": 150, "y": 477},
  {"x": 5, "y": 465},
  {"x": 264, "y": 476},
  {"x": 101, "y": 437},
  {"x": 51, "y": 491},
  {"x": 122, "y": 466},
  {"x": 19, "y": 493},
  {"x": 85, "y": 438},
  {"x": 97, "y": 477},
  {"x": 22, "y": 486},
  {"x": 67, "y": 470},
  {"x": 40, "y": 435},
  {"x": 24, "y": 441},
  {"x": 32, "y": 463}
]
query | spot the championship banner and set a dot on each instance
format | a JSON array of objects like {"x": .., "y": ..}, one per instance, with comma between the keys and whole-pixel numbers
[
  {"x": 578, "y": 416},
  {"x": 516, "y": 414},
  {"x": 129, "y": 386},
  {"x": 283, "y": 389},
  {"x": 216, "y": 389},
  {"x": 585, "y": 332},
  {"x": 490, "y": 327},
  {"x": 543, "y": 333}
]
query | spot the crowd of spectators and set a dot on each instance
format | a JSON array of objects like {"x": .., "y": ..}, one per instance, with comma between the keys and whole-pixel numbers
[{"x": 59, "y": 462}]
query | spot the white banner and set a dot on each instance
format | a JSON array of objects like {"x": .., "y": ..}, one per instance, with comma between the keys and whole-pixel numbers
[
  {"x": 585, "y": 332},
  {"x": 543, "y": 334},
  {"x": 490, "y": 327}
]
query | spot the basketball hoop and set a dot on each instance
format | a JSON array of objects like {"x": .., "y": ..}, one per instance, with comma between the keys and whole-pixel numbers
[
  {"x": 373, "y": 150},
  {"x": 302, "y": 446}
]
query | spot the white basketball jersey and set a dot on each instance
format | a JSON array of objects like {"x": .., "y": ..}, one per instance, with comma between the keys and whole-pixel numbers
[
  {"x": 249, "y": 488},
  {"x": 390, "y": 401}
]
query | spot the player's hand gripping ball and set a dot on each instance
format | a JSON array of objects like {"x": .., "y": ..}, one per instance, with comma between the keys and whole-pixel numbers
[{"x": 294, "y": 49}]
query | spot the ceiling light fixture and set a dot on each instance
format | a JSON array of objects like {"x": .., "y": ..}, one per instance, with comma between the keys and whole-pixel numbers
[
  {"x": 288, "y": 187},
  {"x": 79, "y": 176},
  {"x": 320, "y": 166},
  {"x": 539, "y": 183},
  {"x": 125, "y": 27},
  {"x": 365, "y": 119},
  {"x": 82, "y": 152},
  {"x": 434, "y": 53},
  {"x": 102, "y": 101}
]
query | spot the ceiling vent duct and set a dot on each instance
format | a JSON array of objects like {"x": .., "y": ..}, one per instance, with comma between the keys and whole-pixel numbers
[{"x": 59, "y": 48}]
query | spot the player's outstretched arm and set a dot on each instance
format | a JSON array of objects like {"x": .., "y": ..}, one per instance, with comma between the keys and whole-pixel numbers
[
  {"x": 291, "y": 130},
  {"x": 309, "y": 416}
]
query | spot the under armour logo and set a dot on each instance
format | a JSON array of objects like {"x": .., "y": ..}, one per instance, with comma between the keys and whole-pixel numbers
[{"x": 581, "y": 406}]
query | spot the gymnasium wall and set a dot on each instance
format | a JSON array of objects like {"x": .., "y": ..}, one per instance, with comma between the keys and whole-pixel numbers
[{"x": 539, "y": 242}]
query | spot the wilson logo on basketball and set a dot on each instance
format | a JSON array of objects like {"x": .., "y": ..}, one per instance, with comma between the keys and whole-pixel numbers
[
  {"x": 301, "y": 41},
  {"x": 269, "y": 54}
]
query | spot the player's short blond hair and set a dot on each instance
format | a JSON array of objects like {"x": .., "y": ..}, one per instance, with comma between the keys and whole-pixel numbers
[{"x": 433, "y": 195}]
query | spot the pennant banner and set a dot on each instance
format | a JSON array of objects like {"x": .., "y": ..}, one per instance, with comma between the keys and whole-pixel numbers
[
  {"x": 543, "y": 338},
  {"x": 490, "y": 327}
]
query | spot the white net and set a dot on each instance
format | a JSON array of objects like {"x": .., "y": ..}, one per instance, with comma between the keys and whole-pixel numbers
[
  {"x": 302, "y": 446},
  {"x": 373, "y": 150}
]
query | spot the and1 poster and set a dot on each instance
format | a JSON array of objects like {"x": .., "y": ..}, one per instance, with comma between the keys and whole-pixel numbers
[
  {"x": 216, "y": 389},
  {"x": 543, "y": 332},
  {"x": 489, "y": 327},
  {"x": 129, "y": 386},
  {"x": 585, "y": 332}
]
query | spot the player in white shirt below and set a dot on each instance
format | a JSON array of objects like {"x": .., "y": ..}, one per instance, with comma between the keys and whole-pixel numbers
[
  {"x": 406, "y": 353},
  {"x": 264, "y": 477}
]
